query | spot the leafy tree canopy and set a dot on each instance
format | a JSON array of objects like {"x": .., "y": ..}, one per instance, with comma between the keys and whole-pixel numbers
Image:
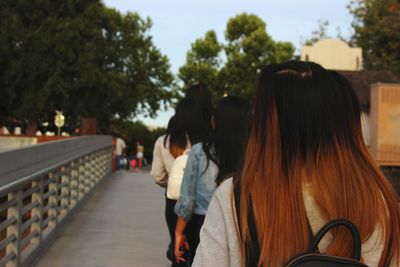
[
  {"x": 203, "y": 63},
  {"x": 232, "y": 67},
  {"x": 377, "y": 30},
  {"x": 79, "y": 57}
]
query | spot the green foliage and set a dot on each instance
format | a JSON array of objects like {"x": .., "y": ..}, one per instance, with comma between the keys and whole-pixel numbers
[
  {"x": 248, "y": 47},
  {"x": 206, "y": 49},
  {"x": 141, "y": 73},
  {"x": 377, "y": 30},
  {"x": 202, "y": 63},
  {"x": 242, "y": 26},
  {"x": 79, "y": 57}
]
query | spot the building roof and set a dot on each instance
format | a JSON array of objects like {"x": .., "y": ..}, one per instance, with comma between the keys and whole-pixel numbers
[{"x": 362, "y": 81}]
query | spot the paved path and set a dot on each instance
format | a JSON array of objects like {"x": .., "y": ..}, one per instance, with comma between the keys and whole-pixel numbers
[{"x": 121, "y": 225}]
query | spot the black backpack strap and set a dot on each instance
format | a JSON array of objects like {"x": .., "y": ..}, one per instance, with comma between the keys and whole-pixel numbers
[
  {"x": 252, "y": 248},
  {"x": 339, "y": 222},
  {"x": 310, "y": 232},
  {"x": 389, "y": 259}
]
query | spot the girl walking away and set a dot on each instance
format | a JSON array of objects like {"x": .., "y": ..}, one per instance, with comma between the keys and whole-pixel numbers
[
  {"x": 139, "y": 154},
  {"x": 306, "y": 164},
  {"x": 209, "y": 163},
  {"x": 185, "y": 129}
]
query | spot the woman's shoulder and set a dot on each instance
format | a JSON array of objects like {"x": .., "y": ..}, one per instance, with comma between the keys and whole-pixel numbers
[
  {"x": 224, "y": 192},
  {"x": 197, "y": 149},
  {"x": 226, "y": 186},
  {"x": 160, "y": 140}
]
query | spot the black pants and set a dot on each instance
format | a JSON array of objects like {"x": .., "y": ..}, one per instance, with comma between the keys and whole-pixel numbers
[
  {"x": 192, "y": 230},
  {"x": 193, "y": 235},
  {"x": 171, "y": 219}
]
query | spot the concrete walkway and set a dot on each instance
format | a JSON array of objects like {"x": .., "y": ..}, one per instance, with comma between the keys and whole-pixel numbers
[{"x": 121, "y": 225}]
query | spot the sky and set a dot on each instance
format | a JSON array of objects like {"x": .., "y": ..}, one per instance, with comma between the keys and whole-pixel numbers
[{"x": 177, "y": 23}]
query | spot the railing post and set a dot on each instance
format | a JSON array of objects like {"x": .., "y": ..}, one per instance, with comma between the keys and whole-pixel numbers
[
  {"x": 64, "y": 192},
  {"x": 74, "y": 185},
  {"x": 37, "y": 211},
  {"x": 52, "y": 213},
  {"x": 81, "y": 177},
  {"x": 102, "y": 164},
  {"x": 15, "y": 228},
  {"x": 97, "y": 166},
  {"x": 93, "y": 169},
  {"x": 88, "y": 183}
]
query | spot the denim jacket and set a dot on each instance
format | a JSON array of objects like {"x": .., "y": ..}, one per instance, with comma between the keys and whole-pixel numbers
[{"x": 198, "y": 184}]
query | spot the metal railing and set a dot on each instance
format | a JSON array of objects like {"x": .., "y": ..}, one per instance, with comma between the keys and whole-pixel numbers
[{"x": 41, "y": 187}]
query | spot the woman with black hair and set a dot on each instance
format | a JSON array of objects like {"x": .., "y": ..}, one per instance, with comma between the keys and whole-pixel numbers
[
  {"x": 185, "y": 128},
  {"x": 209, "y": 163}
]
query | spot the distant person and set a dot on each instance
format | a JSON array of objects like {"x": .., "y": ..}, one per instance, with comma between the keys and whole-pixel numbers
[
  {"x": 305, "y": 164},
  {"x": 120, "y": 148},
  {"x": 123, "y": 161},
  {"x": 132, "y": 162},
  {"x": 209, "y": 163},
  {"x": 185, "y": 129},
  {"x": 139, "y": 154}
]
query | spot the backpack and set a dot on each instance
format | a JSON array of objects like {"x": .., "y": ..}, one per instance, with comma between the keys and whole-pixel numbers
[
  {"x": 176, "y": 175},
  {"x": 311, "y": 258}
]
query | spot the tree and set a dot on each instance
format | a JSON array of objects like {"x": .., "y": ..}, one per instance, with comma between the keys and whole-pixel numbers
[
  {"x": 139, "y": 73},
  {"x": 40, "y": 40},
  {"x": 79, "y": 57},
  {"x": 203, "y": 63},
  {"x": 377, "y": 31},
  {"x": 248, "y": 47}
]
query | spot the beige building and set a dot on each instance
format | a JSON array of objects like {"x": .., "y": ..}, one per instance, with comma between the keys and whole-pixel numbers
[
  {"x": 362, "y": 81},
  {"x": 333, "y": 54}
]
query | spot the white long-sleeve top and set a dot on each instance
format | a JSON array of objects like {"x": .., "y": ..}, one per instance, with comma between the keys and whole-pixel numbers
[{"x": 162, "y": 161}]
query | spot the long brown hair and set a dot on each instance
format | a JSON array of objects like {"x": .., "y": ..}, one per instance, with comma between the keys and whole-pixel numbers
[{"x": 306, "y": 129}]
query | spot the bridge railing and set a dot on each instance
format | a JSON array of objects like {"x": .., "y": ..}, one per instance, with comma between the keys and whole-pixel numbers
[{"x": 41, "y": 187}]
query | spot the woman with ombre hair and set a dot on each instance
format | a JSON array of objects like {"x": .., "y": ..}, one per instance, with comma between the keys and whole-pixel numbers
[{"x": 306, "y": 164}]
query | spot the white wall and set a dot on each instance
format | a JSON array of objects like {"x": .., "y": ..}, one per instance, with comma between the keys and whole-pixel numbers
[
  {"x": 333, "y": 54},
  {"x": 11, "y": 142},
  {"x": 365, "y": 125}
]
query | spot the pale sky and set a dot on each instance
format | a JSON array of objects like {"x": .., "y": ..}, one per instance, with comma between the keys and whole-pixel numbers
[{"x": 177, "y": 23}]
